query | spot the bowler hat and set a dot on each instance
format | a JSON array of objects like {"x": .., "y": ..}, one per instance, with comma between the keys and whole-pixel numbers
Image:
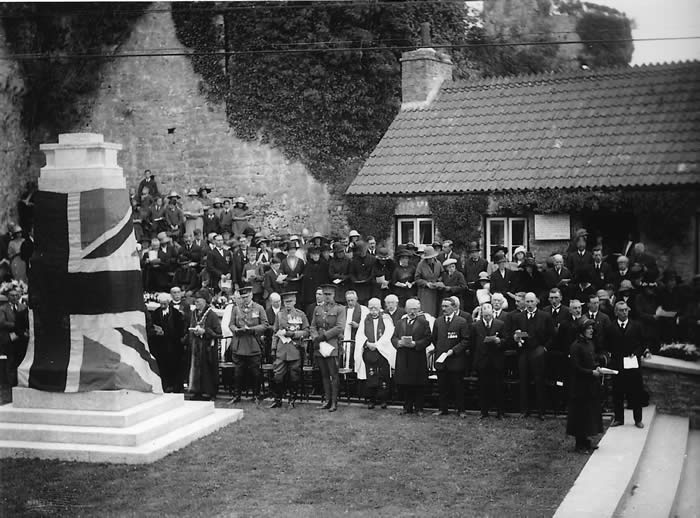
[
  {"x": 474, "y": 247},
  {"x": 288, "y": 294}
]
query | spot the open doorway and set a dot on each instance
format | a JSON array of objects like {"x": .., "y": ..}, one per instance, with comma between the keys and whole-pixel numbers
[{"x": 615, "y": 231}]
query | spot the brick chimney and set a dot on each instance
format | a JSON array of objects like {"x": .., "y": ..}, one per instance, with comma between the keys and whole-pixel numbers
[{"x": 422, "y": 73}]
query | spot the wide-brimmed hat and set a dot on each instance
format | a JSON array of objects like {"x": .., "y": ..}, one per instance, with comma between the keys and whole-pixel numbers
[
  {"x": 217, "y": 201},
  {"x": 448, "y": 262},
  {"x": 204, "y": 188},
  {"x": 354, "y": 233},
  {"x": 429, "y": 252},
  {"x": 317, "y": 235},
  {"x": 173, "y": 194},
  {"x": 484, "y": 277},
  {"x": 163, "y": 237},
  {"x": 192, "y": 192},
  {"x": 383, "y": 253},
  {"x": 585, "y": 322},
  {"x": 626, "y": 285},
  {"x": 240, "y": 201},
  {"x": 519, "y": 249}
]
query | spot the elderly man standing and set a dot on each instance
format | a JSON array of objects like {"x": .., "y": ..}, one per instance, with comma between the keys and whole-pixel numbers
[
  {"x": 327, "y": 328},
  {"x": 558, "y": 276},
  {"x": 391, "y": 306},
  {"x": 412, "y": 336},
  {"x": 489, "y": 339},
  {"x": 428, "y": 279},
  {"x": 375, "y": 356},
  {"x": 533, "y": 331},
  {"x": 290, "y": 329},
  {"x": 248, "y": 324},
  {"x": 451, "y": 336},
  {"x": 166, "y": 343}
]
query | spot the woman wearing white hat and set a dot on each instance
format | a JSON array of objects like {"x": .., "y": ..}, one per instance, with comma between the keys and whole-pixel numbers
[{"x": 428, "y": 274}]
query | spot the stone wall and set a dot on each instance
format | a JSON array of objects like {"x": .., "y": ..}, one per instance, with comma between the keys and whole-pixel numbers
[
  {"x": 676, "y": 393},
  {"x": 155, "y": 108},
  {"x": 13, "y": 148}
]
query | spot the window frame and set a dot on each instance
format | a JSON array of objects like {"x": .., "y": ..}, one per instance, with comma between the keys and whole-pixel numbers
[
  {"x": 416, "y": 220},
  {"x": 508, "y": 232}
]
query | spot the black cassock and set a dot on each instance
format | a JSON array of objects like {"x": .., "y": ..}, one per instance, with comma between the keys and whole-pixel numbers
[{"x": 585, "y": 416}]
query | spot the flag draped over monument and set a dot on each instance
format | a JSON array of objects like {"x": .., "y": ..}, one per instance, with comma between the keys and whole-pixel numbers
[{"x": 89, "y": 327}]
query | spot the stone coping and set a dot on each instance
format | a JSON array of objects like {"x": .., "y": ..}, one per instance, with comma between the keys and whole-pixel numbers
[{"x": 672, "y": 364}]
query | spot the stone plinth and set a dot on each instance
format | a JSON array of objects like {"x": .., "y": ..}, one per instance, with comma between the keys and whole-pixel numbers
[
  {"x": 119, "y": 426},
  {"x": 674, "y": 386}
]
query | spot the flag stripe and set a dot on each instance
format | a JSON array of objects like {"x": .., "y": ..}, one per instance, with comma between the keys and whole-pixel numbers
[
  {"x": 103, "y": 369},
  {"x": 51, "y": 350},
  {"x": 51, "y": 231},
  {"x": 130, "y": 340},
  {"x": 75, "y": 362},
  {"x": 101, "y": 211},
  {"x": 99, "y": 292},
  {"x": 113, "y": 243}
]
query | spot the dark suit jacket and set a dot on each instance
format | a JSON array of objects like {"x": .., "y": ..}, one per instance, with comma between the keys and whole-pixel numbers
[
  {"x": 488, "y": 354},
  {"x": 559, "y": 342},
  {"x": 552, "y": 279},
  {"x": 601, "y": 276},
  {"x": 211, "y": 225},
  {"x": 540, "y": 329},
  {"x": 194, "y": 253},
  {"x": 601, "y": 332},
  {"x": 218, "y": 264},
  {"x": 270, "y": 283},
  {"x": 576, "y": 262},
  {"x": 7, "y": 326},
  {"x": 173, "y": 325},
  {"x": 631, "y": 341},
  {"x": 455, "y": 337},
  {"x": 502, "y": 283},
  {"x": 411, "y": 363},
  {"x": 396, "y": 316}
]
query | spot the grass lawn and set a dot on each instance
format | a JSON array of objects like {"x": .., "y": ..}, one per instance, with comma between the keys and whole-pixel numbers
[{"x": 305, "y": 462}]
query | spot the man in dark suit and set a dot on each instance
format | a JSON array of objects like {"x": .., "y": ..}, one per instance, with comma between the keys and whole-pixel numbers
[
  {"x": 601, "y": 331},
  {"x": 166, "y": 343},
  {"x": 533, "y": 331},
  {"x": 558, "y": 276},
  {"x": 558, "y": 354},
  {"x": 447, "y": 251},
  {"x": 411, "y": 337},
  {"x": 14, "y": 334},
  {"x": 579, "y": 258},
  {"x": 627, "y": 341},
  {"x": 218, "y": 262},
  {"x": 502, "y": 278},
  {"x": 211, "y": 222},
  {"x": 623, "y": 272},
  {"x": 451, "y": 336},
  {"x": 391, "y": 307},
  {"x": 600, "y": 270},
  {"x": 488, "y": 339}
]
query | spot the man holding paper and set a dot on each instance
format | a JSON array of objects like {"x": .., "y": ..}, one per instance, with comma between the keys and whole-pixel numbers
[
  {"x": 327, "y": 328},
  {"x": 451, "y": 340},
  {"x": 411, "y": 338},
  {"x": 375, "y": 356},
  {"x": 627, "y": 346}
]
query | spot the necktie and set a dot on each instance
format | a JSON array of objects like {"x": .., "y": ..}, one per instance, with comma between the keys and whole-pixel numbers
[
  {"x": 448, "y": 320},
  {"x": 555, "y": 312}
]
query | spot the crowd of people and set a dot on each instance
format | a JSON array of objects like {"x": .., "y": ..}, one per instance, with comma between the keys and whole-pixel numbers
[{"x": 349, "y": 303}]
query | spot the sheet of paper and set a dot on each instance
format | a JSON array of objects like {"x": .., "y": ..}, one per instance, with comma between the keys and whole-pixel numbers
[
  {"x": 250, "y": 275},
  {"x": 380, "y": 280},
  {"x": 630, "y": 362},
  {"x": 152, "y": 254},
  {"x": 441, "y": 358},
  {"x": 281, "y": 277},
  {"x": 325, "y": 349},
  {"x": 337, "y": 281},
  {"x": 605, "y": 370},
  {"x": 660, "y": 312}
]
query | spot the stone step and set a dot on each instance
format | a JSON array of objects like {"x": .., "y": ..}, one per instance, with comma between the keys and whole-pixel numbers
[
  {"x": 114, "y": 419},
  {"x": 687, "y": 504},
  {"x": 605, "y": 478},
  {"x": 131, "y": 436},
  {"x": 102, "y": 400},
  {"x": 149, "y": 451},
  {"x": 655, "y": 484}
]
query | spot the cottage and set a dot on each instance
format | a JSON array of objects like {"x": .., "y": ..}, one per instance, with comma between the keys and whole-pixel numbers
[{"x": 527, "y": 160}]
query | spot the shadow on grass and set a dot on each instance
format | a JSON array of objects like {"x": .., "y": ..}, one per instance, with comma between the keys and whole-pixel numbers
[{"x": 305, "y": 462}]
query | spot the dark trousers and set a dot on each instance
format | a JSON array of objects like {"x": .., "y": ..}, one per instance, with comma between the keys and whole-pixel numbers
[
  {"x": 287, "y": 374},
  {"x": 450, "y": 381},
  {"x": 490, "y": 389},
  {"x": 628, "y": 383},
  {"x": 377, "y": 393},
  {"x": 250, "y": 365},
  {"x": 413, "y": 397},
  {"x": 531, "y": 367},
  {"x": 329, "y": 376}
]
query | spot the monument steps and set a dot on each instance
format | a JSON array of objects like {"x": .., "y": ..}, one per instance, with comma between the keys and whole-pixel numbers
[
  {"x": 105, "y": 418},
  {"x": 655, "y": 484},
  {"x": 147, "y": 452},
  {"x": 687, "y": 503},
  {"x": 133, "y": 435}
]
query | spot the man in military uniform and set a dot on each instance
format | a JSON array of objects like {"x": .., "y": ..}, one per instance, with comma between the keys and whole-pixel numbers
[
  {"x": 248, "y": 324},
  {"x": 290, "y": 329},
  {"x": 327, "y": 328}
]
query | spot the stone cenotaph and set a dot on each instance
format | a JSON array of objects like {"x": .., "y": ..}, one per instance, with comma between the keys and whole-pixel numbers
[{"x": 89, "y": 388}]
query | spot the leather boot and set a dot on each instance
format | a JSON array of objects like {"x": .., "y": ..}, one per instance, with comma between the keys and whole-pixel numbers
[
  {"x": 334, "y": 395},
  {"x": 326, "y": 394}
]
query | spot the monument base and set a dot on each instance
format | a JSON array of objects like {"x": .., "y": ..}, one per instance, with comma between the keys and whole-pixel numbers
[{"x": 124, "y": 427}]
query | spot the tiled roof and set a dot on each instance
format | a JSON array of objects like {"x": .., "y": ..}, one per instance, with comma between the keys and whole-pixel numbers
[{"x": 637, "y": 126}]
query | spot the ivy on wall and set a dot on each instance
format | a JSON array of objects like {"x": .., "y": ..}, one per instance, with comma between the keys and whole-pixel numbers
[
  {"x": 663, "y": 215},
  {"x": 458, "y": 216},
  {"x": 372, "y": 215}
]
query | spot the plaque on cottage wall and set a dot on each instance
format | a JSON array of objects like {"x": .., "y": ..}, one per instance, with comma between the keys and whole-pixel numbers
[{"x": 552, "y": 227}]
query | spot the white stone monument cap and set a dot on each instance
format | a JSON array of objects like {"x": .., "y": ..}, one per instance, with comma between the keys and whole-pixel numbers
[{"x": 80, "y": 140}]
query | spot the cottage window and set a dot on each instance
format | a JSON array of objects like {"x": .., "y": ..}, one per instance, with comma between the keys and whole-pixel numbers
[
  {"x": 415, "y": 230},
  {"x": 508, "y": 232}
]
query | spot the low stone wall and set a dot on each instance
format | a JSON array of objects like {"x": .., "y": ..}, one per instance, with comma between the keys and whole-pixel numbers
[{"x": 674, "y": 387}]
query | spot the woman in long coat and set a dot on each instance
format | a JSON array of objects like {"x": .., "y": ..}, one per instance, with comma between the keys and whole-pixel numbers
[
  {"x": 585, "y": 417},
  {"x": 403, "y": 278},
  {"x": 205, "y": 329},
  {"x": 428, "y": 274}
]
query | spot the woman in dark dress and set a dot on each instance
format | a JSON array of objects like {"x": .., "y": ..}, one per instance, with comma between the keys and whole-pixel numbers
[
  {"x": 585, "y": 417},
  {"x": 205, "y": 329},
  {"x": 404, "y": 275}
]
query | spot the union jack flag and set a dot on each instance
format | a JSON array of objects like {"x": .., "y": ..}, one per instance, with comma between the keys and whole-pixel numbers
[{"x": 86, "y": 299}]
